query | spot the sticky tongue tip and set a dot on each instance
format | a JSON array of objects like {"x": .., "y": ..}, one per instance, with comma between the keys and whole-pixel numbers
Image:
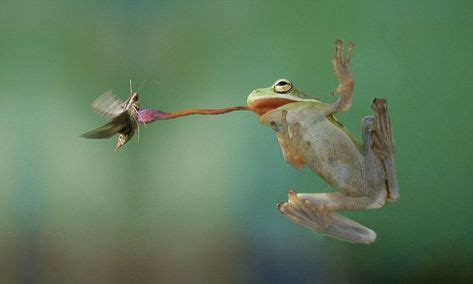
[{"x": 150, "y": 115}]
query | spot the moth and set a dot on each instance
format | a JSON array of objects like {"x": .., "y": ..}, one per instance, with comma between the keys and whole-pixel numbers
[
  {"x": 124, "y": 116},
  {"x": 127, "y": 115}
]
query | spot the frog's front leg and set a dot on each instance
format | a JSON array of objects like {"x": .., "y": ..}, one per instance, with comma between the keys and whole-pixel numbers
[
  {"x": 342, "y": 69},
  {"x": 289, "y": 141}
]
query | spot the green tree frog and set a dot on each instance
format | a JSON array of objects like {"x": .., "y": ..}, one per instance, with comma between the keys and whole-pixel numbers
[{"x": 310, "y": 135}]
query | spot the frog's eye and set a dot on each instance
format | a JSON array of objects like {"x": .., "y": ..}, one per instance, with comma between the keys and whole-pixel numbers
[{"x": 282, "y": 86}]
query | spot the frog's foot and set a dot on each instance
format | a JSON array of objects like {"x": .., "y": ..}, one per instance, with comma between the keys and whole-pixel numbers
[
  {"x": 289, "y": 139},
  {"x": 341, "y": 67},
  {"x": 304, "y": 212},
  {"x": 383, "y": 145},
  {"x": 320, "y": 219},
  {"x": 383, "y": 139}
]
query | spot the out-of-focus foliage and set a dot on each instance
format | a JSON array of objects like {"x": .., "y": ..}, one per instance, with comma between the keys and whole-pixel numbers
[{"x": 194, "y": 199}]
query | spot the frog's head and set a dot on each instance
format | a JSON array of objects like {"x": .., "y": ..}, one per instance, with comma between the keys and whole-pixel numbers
[{"x": 282, "y": 92}]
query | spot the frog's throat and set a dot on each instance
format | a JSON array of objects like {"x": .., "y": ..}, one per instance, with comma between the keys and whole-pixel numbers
[{"x": 263, "y": 105}]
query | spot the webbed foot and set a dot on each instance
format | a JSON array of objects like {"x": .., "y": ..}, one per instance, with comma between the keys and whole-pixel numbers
[
  {"x": 383, "y": 145},
  {"x": 383, "y": 138},
  {"x": 304, "y": 212},
  {"x": 320, "y": 219}
]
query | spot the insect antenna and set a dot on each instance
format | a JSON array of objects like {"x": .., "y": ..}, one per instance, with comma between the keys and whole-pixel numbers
[
  {"x": 142, "y": 85},
  {"x": 139, "y": 89},
  {"x": 131, "y": 88}
]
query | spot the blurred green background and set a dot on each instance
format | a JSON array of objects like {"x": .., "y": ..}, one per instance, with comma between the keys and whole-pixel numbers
[{"x": 194, "y": 199}]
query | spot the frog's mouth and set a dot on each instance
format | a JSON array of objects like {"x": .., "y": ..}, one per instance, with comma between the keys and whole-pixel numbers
[{"x": 261, "y": 106}]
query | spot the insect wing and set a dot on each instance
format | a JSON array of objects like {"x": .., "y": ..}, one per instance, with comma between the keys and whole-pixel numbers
[
  {"x": 115, "y": 126},
  {"x": 108, "y": 105}
]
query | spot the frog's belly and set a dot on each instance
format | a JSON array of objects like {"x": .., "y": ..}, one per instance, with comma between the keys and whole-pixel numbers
[{"x": 332, "y": 154}]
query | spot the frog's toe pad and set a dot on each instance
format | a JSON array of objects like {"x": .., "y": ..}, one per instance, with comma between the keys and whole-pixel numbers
[{"x": 324, "y": 221}]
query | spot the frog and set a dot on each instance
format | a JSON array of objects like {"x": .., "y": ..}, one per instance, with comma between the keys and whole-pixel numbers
[{"x": 310, "y": 135}]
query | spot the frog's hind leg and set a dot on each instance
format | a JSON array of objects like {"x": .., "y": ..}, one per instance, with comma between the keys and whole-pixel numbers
[
  {"x": 383, "y": 145},
  {"x": 323, "y": 220}
]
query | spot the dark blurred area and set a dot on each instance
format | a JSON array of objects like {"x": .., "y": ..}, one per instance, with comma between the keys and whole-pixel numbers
[{"x": 193, "y": 200}]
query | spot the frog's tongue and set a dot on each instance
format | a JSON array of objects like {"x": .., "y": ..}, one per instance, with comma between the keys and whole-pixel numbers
[
  {"x": 264, "y": 105},
  {"x": 151, "y": 115},
  {"x": 259, "y": 106}
]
